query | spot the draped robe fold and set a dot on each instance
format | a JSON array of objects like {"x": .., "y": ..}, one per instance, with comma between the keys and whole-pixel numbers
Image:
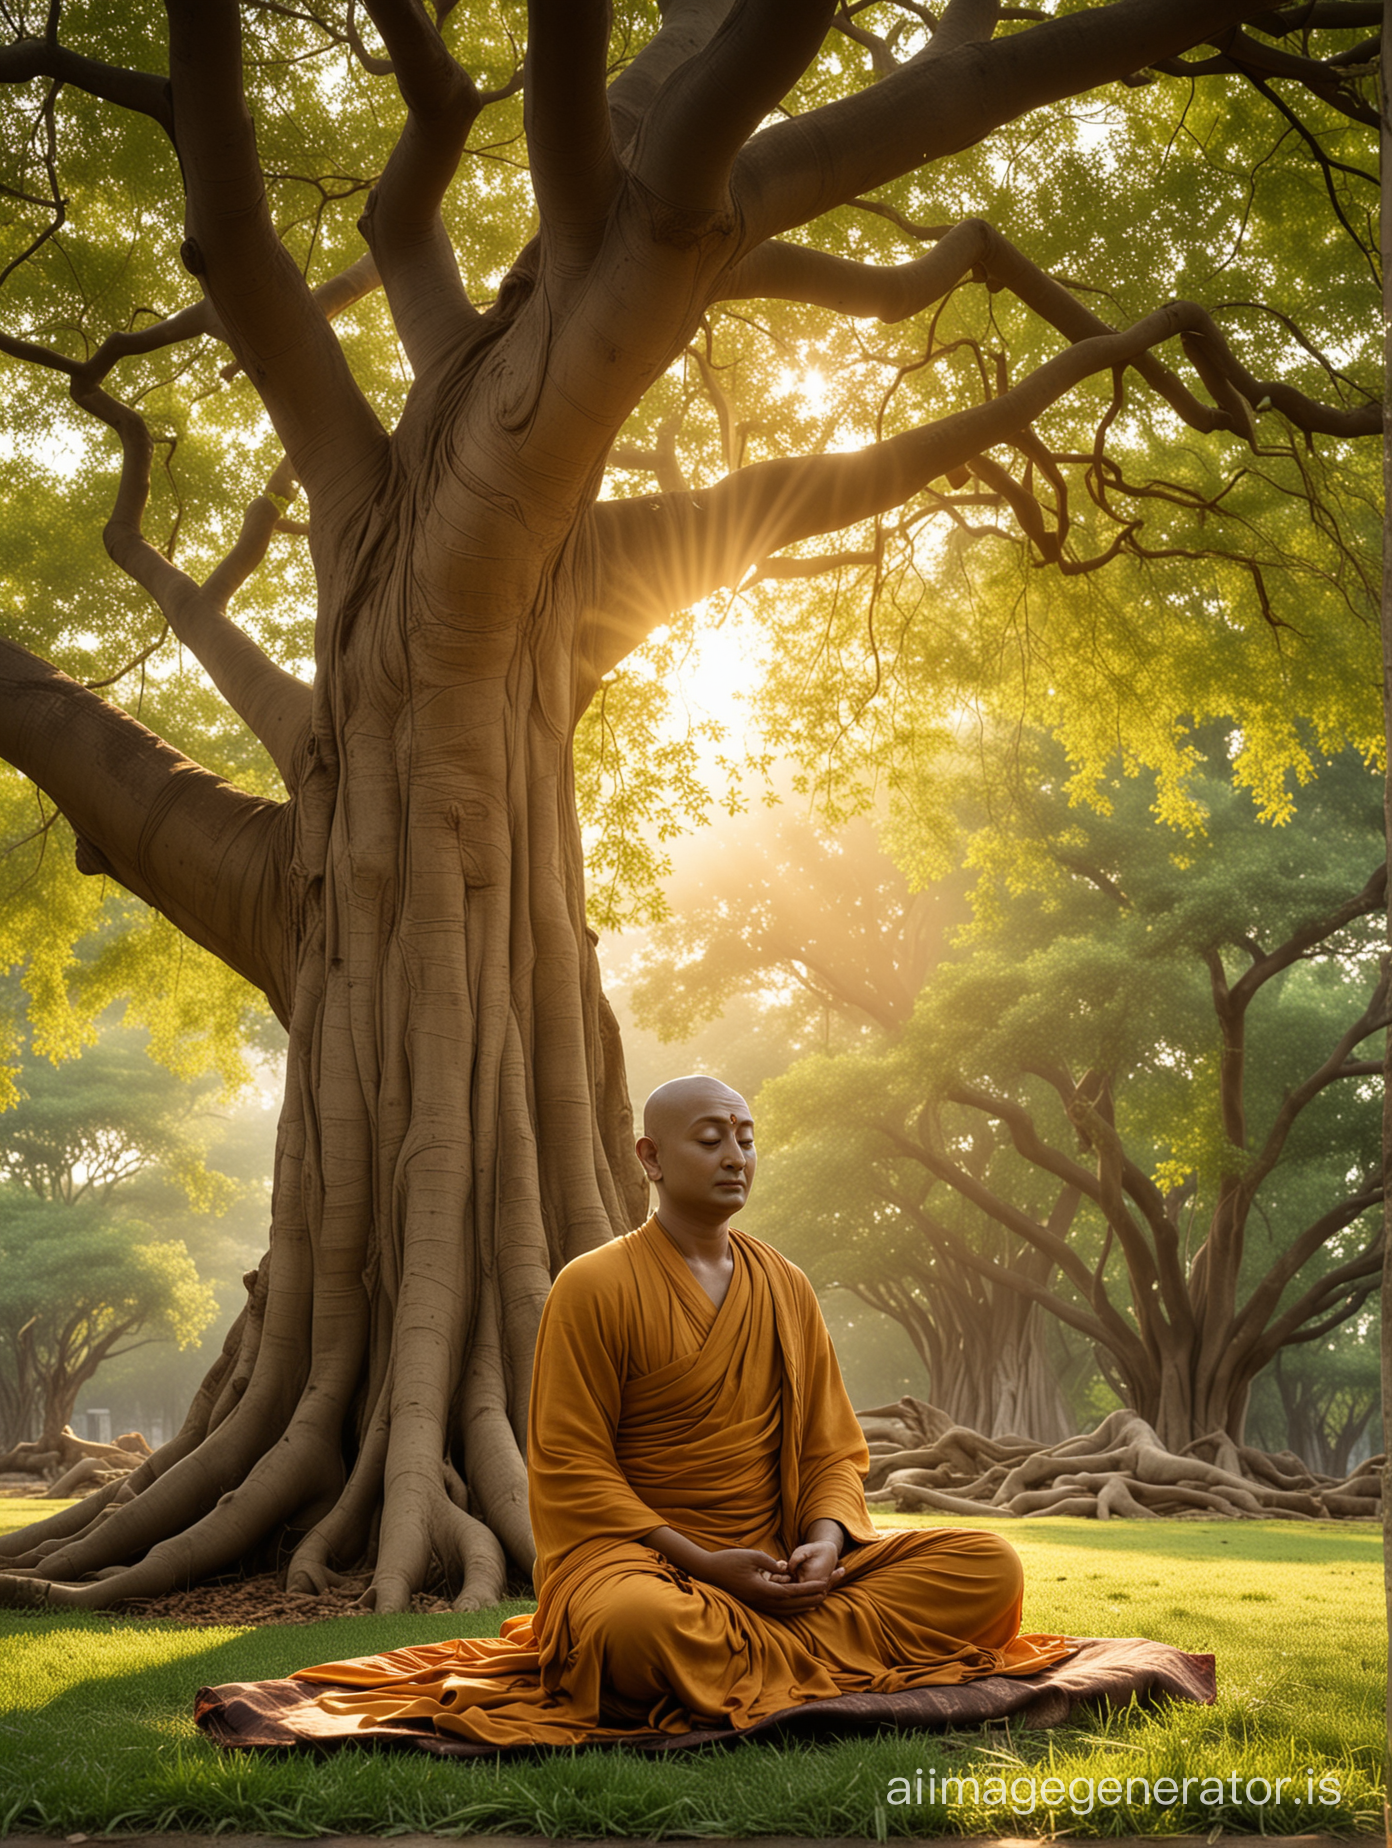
[{"x": 652, "y": 1407}]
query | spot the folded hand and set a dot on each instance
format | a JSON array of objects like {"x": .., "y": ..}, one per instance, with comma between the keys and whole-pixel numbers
[
  {"x": 816, "y": 1563},
  {"x": 776, "y": 1587}
]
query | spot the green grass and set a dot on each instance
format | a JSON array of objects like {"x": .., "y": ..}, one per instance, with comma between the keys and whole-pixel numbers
[{"x": 95, "y": 1733}]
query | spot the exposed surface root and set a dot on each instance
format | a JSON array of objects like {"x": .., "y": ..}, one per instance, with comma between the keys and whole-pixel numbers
[
  {"x": 920, "y": 1460},
  {"x": 70, "y": 1462},
  {"x": 261, "y": 1599}
]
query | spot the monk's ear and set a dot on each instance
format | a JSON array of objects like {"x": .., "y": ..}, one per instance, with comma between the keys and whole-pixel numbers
[{"x": 647, "y": 1154}]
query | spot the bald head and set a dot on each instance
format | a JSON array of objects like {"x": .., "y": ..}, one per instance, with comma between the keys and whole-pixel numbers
[{"x": 682, "y": 1101}]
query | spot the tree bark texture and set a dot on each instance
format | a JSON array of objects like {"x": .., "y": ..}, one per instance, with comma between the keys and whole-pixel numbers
[{"x": 455, "y": 1124}]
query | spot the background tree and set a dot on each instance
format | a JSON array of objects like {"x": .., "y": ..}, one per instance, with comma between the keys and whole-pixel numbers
[
  {"x": 81, "y": 1287},
  {"x": 101, "y": 1158},
  {"x": 771, "y": 910},
  {"x": 1321, "y": 1400},
  {"x": 1148, "y": 1072},
  {"x": 84, "y": 1130},
  {"x": 455, "y": 1123}
]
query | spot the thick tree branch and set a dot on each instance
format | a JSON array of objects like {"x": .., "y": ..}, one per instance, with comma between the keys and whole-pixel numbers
[
  {"x": 687, "y": 27},
  {"x": 141, "y": 91},
  {"x": 712, "y": 104},
  {"x": 1373, "y": 1020},
  {"x": 963, "y": 22},
  {"x": 656, "y": 554},
  {"x": 575, "y": 172},
  {"x": 795, "y": 171},
  {"x": 205, "y": 854},
  {"x": 402, "y": 223},
  {"x": 1361, "y": 904},
  {"x": 1355, "y": 1278},
  {"x": 793, "y": 272},
  {"x": 275, "y": 328},
  {"x": 1262, "y": 1303},
  {"x": 273, "y": 703}
]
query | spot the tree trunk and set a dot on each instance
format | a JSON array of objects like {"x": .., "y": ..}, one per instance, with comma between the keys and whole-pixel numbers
[
  {"x": 456, "y": 1124},
  {"x": 984, "y": 1349}
]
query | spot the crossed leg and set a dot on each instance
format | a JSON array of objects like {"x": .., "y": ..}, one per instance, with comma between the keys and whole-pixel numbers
[{"x": 916, "y": 1608}]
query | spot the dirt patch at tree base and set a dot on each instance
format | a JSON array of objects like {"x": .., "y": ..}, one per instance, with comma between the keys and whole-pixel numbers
[{"x": 261, "y": 1599}]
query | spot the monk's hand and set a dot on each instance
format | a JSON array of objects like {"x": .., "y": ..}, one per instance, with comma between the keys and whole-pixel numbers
[
  {"x": 763, "y": 1583},
  {"x": 816, "y": 1563}
]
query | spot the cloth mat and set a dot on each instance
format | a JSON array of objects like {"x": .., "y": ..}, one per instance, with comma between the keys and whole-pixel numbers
[{"x": 1109, "y": 1670}]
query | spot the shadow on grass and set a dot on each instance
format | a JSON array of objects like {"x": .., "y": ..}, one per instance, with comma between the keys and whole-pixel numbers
[{"x": 59, "y": 1663}]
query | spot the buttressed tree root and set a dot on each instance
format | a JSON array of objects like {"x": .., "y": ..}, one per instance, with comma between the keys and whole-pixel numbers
[{"x": 920, "y": 1460}]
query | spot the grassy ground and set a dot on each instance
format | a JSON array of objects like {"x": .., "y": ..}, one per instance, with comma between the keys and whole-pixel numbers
[{"x": 95, "y": 1733}]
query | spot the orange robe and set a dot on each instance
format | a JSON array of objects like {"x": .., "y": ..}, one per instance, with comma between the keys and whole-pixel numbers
[{"x": 652, "y": 1408}]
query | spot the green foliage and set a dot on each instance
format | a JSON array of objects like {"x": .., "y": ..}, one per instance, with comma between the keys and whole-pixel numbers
[
  {"x": 1249, "y": 591},
  {"x": 83, "y": 1285},
  {"x": 1090, "y": 962},
  {"x": 104, "y": 1181},
  {"x": 1246, "y": 592},
  {"x": 638, "y": 785},
  {"x": 81, "y": 1130}
]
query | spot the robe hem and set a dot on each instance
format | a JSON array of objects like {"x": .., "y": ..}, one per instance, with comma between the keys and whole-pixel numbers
[{"x": 1111, "y": 1672}]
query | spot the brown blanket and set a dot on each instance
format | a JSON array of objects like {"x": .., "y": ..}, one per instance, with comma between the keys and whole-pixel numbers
[{"x": 1103, "y": 1669}]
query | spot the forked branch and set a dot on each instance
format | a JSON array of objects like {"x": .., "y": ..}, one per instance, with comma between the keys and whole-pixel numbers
[
  {"x": 275, "y": 328},
  {"x": 711, "y": 105},
  {"x": 793, "y": 272},
  {"x": 1263, "y": 1302},
  {"x": 687, "y": 27},
  {"x": 402, "y": 223},
  {"x": 273, "y": 703},
  {"x": 141, "y": 91}
]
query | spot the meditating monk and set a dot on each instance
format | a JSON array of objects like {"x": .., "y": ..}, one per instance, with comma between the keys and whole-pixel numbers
[{"x": 704, "y": 1551}]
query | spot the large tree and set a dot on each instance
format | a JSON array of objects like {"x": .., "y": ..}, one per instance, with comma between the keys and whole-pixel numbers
[{"x": 455, "y": 1123}]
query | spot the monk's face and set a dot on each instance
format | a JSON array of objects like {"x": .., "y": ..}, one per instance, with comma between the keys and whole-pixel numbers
[{"x": 699, "y": 1150}]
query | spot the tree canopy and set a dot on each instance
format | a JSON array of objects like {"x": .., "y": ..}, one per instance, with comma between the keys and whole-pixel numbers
[{"x": 82, "y": 1287}]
